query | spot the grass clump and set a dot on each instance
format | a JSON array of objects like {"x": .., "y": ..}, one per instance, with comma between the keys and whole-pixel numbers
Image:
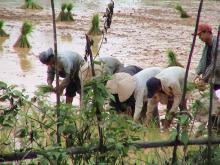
[
  {"x": 172, "y": 60},
  {"x": 2, "y": 32},
  {"x": 95, "y": 29},
  {"x": 183, "y": 13},
  {"x": 29, "y": 4},
  {"x": 22, "y": 41},
  {"x": 66, "y": 16}
]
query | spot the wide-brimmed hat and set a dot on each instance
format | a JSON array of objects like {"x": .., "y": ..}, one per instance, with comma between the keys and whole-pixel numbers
[
  {"x": 122, "y": 84},
  {"x": 43, "y": 56}
]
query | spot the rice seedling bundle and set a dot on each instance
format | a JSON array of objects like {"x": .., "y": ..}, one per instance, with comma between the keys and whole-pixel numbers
[
  {"x": 22, "y": 41},
  {"x": 62, "y": 16},
  {"x": 183, "y": 13},
  {"x": 29, "y": 4},
  {"x": 2, "y": 32},
  {"x": 95, "y": 29},
  {"x": 172, "y": 60},
  {"x": 69, "y": 16},
  {"x": 45, "y": 89}
]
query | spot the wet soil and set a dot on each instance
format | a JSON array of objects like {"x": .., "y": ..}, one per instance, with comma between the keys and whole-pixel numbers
[{"x": 141, "y": 33}]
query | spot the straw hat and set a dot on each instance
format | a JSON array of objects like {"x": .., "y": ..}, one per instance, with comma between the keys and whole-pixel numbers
[{"x": 122, "y": 84}]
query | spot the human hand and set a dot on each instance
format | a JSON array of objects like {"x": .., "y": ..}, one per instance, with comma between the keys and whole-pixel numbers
[
  {"x": 197, "y": 78},
  {"x": 58, "y": 90}
]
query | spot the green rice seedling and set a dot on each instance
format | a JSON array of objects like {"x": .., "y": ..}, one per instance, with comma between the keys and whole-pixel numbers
[
  {"x": 95, "y": 29},
  {"x": 69, "y": 16},
  {"x": 172, "y": 60},
  {"x": 22, "y": 41},
  {"x": 45, "y": 89},
  {"x": 29, "y": 4},
  {"x": 183, "y": 13},
  {"x": 2, "y": 32},
  {"x": 62, "y": 16}
]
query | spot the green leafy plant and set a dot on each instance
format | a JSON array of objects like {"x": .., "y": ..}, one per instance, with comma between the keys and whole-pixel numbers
[
  {"x": 22, "y": 41},
  {"x": 95, "y": 29},
  {"x": 183, "y": 13},
  {"x": 2, "y": 32},
  {"x": 172, "y": 60},
  {"x": 29, "y": 4}
]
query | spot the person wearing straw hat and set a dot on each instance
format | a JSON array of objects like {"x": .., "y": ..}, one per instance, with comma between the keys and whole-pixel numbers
[
  {"x": 129, "y": 105},
  {"x": 206, "y": 64},
  {"x": 124, "y": 85},
  {"x": 169, "y": 82},
  {"x": 68, "y": 65}
]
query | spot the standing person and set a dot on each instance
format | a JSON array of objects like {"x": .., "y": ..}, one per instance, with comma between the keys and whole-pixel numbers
[
  {"x": 205, "y": 67},
  {"x": 168, "y": 83},
  {"x": 68, "y": 65}
]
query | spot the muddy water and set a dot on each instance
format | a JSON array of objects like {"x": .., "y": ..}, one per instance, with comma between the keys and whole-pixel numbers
[{"x": 141, "y": 33}]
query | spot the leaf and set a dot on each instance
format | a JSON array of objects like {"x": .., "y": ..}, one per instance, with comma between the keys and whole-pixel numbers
[
  {"x": 173, "y": 134},
  {"x": 183, "y": 120},
  {"x": 3, "y": 85},
  {"x": 97, "y": 62},
  {"x": 184, "y": 138}
]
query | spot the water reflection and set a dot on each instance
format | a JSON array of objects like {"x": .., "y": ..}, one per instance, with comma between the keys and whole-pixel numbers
[
  {"x": 25, "y": 63},
  {"x": 95, "y": 46},
  {"x": 66, "y": 38}
]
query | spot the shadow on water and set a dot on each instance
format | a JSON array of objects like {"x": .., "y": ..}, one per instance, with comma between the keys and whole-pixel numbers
[{"x": 25, "y": 63}]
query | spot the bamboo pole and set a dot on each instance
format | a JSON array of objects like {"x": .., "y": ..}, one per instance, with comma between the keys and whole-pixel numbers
[
  {"x": 98, "y": 112},
  {"x": 57, "y": 75},
  {"x": 211, "y": 100},
  {"x": 83, "y": 150},
  {"x": 174, "y": 159}
]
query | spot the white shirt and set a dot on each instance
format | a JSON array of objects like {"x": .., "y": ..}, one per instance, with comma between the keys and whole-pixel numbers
[{"x": 140, "y": 91}]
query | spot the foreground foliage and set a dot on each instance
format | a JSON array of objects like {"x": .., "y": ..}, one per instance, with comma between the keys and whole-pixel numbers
[{"x": 31, "y": 125}]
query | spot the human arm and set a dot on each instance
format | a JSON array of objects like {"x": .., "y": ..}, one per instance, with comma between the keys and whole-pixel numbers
[
  {"x": 139, "y": 96},
  {"x": 50, "y": 75},
  {"x": 177, "y": 94}
]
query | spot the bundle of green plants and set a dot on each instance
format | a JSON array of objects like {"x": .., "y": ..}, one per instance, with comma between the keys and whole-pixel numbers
[
  {"x": 183, "y": 13},
  {"x": 69, "y": 16},
  {"x": 2, "y": 32},
  {"x": 29, "y": 4},
  {"x": 45, "y": 88},
  {"x": 172, "y": 60},
  {"x": 22, "y": 41},
  {"x": 62, "y": 16},
  {"x": 95, "y": 29}
]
